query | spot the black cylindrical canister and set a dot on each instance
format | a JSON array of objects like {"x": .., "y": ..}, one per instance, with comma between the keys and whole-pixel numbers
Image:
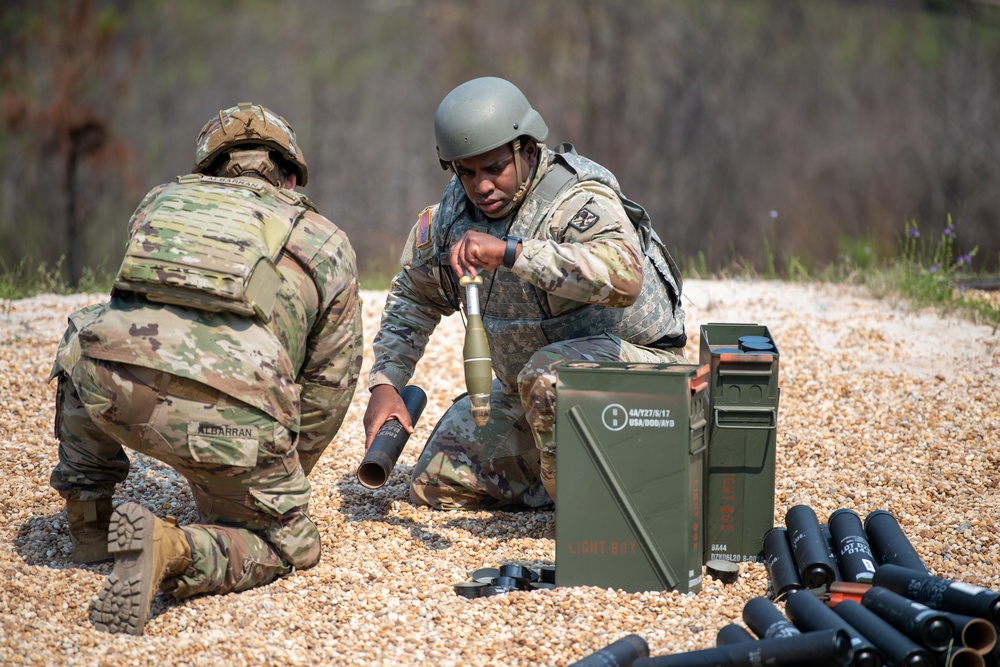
[
  {"x": 917, "y": 621},
  {"x": 940, "y": 593},
  {"x": 780, "y": 563},
  {"x": 888, "y": 542},
  {"x": 766, "y": 621},
  {"x": 621, "y": 653},
  {"x": 831, "y": 552},
  {"x": 733, "y": 634},
  {"x": 809, "y": 547},
  {"x": 895, "y": 647},
  {"x": 388, "y": 444},
  {"x": 809, "y": 614},
  {"x": 854, "y": 555},
  {"x": 826, "y": 648}
]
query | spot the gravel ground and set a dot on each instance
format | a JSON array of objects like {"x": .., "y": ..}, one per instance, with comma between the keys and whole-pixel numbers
[{"x": 882, "y": 407}]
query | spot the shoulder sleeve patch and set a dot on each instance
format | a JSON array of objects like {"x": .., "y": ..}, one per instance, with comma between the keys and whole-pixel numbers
[
  {"x": 584, "y": 219},
  {"x": 424, "y": 228}
]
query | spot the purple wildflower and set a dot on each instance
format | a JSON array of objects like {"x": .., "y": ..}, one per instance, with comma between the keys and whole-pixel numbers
[
  {"x": 964, "y": 259},
  {"x": 913, "y": 233},
  {"x": 949, "y": 231},
  {"x": 934, "y": 269}
]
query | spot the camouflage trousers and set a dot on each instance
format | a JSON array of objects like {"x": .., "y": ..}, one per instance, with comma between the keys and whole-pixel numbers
[
  {"x": 510, "y": 462},
  {"x": 248, "y": 486}
]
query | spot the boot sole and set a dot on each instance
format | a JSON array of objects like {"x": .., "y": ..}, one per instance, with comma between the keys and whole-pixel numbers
[{"x": 123, "y": 605}]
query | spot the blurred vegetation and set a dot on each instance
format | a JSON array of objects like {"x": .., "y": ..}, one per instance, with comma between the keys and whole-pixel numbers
[
  {"x": 765, "y": 137},
  {"x": 923, "y": 271},
  {"x": 27, "y": 280},
  {"x": 927, "y": 271}
]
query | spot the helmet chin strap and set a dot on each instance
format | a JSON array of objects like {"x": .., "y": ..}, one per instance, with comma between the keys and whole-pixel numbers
[{"x": 522, "y": 185}]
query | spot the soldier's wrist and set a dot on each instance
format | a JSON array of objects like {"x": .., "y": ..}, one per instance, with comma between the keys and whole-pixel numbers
[{"x": 510, "y": 251}]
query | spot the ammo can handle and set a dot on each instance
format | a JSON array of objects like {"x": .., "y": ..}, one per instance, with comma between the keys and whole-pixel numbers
[
  {"x": 744, "y": 372},
  {"x": 772, "y": 412},
  {"x": 704, "y": 440}
]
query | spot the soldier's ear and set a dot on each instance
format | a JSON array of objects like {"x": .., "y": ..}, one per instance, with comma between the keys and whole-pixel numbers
[{"x": 531, "y": 152}]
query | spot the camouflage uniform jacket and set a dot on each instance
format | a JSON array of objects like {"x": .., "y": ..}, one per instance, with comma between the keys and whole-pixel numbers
[
  {"x": 300, "y": 367},
  {"x": 585, "y": 247}
]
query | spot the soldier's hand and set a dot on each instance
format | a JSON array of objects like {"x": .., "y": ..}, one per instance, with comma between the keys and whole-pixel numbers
[
  {"x": 475, "y": 252},
  {"x": 385, "y": 404}
]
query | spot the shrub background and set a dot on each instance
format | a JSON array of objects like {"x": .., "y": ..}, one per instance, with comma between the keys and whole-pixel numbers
[{"x": 760, "y": 132}]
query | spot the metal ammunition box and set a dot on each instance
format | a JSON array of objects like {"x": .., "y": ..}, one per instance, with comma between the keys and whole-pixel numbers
[
  {"x": 630, "y": 444},
  {"x": 742, "y": 434}
]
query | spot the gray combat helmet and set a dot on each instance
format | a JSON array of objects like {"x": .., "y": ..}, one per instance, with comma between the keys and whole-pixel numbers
[{"x": 483, "y": 114}]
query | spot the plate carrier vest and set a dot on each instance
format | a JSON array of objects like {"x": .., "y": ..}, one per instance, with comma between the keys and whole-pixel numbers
[{"x": 212, "y": 243}]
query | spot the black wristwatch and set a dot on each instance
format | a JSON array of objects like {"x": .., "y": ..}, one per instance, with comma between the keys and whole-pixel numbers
[{"x": 510, "y": 252}]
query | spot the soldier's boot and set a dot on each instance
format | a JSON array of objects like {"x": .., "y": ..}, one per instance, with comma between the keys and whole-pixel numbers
[
  {"x": 88, "y": 528},
  {"x": 147, "y": 550},
  {"x": 548, "y": 471}
]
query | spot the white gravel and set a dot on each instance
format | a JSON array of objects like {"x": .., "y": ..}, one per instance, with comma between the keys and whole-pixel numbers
[{"x": 882, "y": 407}]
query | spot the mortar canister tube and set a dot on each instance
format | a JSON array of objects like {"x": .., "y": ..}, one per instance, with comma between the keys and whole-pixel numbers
[
  {"x": 810, "y": 614},
  {"x": 915, "y": 620},
  {"x": 889, "y": 543},
  {"x": 390, "y": 440},
  {"x": 826, "y": 648},
  {"x": 810, "y": 547},
  {"x": 621, "y": 653},
  {"x": 940, "y": 593},
  {"x": 780, "y": 563},
  {"x": 895, "y": 647},
  {"x": 766, "y": 621},
  {"x": 855, "y": 558},
  {"x": 733, "y": 634}
]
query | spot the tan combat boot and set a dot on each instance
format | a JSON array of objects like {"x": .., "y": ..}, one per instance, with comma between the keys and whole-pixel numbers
[
  {"x": 147, "y": 550},
  {"x": 88, "y": 528}
]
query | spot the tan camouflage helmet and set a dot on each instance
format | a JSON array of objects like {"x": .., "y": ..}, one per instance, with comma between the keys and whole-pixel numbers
[{"x": 248, "y": 125}]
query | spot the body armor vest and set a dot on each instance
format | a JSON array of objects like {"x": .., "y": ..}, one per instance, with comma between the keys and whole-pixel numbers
[
  {"x": 212, "y": 243},
  {"x": 516, "y": 315}
]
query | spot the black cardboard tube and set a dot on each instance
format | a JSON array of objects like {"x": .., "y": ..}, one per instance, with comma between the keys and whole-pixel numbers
[{"x": 388, "y": 444}]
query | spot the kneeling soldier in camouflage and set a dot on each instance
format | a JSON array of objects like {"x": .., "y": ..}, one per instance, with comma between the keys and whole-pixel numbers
[
  {"x": 230, "y": 350},
  {"x": 570, "y": 269}
]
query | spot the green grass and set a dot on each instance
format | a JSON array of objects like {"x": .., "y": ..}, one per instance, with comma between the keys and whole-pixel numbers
[
  {"x": 921, "y": 288},
  {"x": 377, "y": 276},
  {"x": 929, "y": 271},
  {"x": 27, "y": 279},
  {"x": 925, "y": 269}
]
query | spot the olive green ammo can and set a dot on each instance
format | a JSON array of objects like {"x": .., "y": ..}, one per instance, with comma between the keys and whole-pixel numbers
[
  {"x": 742, "y": 436},
  {"x": 630, "y": 444}
]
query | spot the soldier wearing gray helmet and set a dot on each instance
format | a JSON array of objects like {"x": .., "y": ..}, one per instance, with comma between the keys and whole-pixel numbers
[
  {"x": 571, "y": 270},
  {"x": 230, "y": 350}
]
